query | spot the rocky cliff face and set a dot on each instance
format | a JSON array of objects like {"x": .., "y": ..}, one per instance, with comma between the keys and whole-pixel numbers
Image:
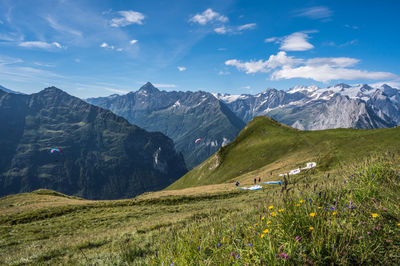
[
  {"x": 182, "y": 116},
  {"x": 312, "y": 108},
  {"x": 104, "y": 157}
]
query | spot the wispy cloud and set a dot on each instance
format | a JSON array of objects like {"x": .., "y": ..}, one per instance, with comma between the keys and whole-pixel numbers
[
  {"x": 160, "y": 85},
  {"x": 297, "y": 41},
  {"x": 208, "y": 16},
  {"x": 249, "y": 26},
  {"x": 235, "y": 30},
  {"x": 127, "y": 18},
  {"x": 7, "y": 60},
  {"x": 181, "y": 68},
  {"x": 132, "y": 42},
  {"x": 322, "y": 69},
  {"x": 117, "y": 91},
  {"x": 224, "y": 73},
  {"x": 43, "y": 64},
  {"x": 316, "y": 12},
  {"x": 62, "y": 28},
  {"x": 40, "y": 45}
]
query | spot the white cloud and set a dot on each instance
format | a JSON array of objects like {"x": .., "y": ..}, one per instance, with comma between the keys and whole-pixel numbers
[
  {"x": 246, "y": 87},
  {"x": 221, "y": 30},
  {"x": 296, "y": 42},
  {"x": 249, "y": 67},
  {"x": 316, "y": 12},
  {"x": 127, "y": 18},
  {"x": 158, "y": 85},
  {"x": 249, "y": 26},
  {"x": 120, "y": 49},
  {"x": 208, "y": 16},
  {"x": 332, "y": 61},
  {"x": 272, "y": 39},
  {"x": 322, "y": 69},
  {"x": 180, "y": 68},
  {"x": 393, "y": 84},
  {"x": 326, "y": 73},
  {"x": 132, "y": 42},
  {"x": 117, "y": 91},
  {"x": 223, "y": 73},
  {"x": 107, "y": 46},
  {"x": 221, "y": 49},
  {"x": 40, "y": 44},
  {"x": 77, "y": 60},
  {"x": 1, "y": 22}
]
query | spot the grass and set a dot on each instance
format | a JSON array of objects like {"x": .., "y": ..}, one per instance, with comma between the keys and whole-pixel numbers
[
  {"x": 265, "y": 143},
  {"x": 186, "y": 230}
]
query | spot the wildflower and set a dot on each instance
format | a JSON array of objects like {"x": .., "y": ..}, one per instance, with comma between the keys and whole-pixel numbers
[
  {"x": 219, "y": 244},
  {"x": 301, "y": 201},
  {"x": 346, "y": 206},
  {"x": 297, "y": 205},
  {"x": 262, "y": 235},
  {"x": 361, "y": 237},
  {"x": 297, "y": 238},
  {"x": 273, "y": 213},
  {"x": 312, "y": 214},
  {"x": 368, "y": 233},
  {"x": 378, "y": 228},
  {"x": 319, "y": 207},
  {"x": 284, "y": 256},
  {"x": 374, "y": 215},
  {"x": 311, "y": 228},
  {"x": 334, "y": 213},
  {"x": 232, "y": 254},
  {"x": 198, "y": 248},
  {"x": 262, "y": 218},
  {"x": 172, "y": 264},
  {"x": 398, "y": 224},
  {"x": 266, "y": 231},
  {"x": 237, "y": 256},
  {"x": 281, "y": 210},
  {"x": 271, "y": 207},
  {"x": 255, "y": 224},
  {"x": 332, "y": 208},
  {"x": 250, "y": 227},
  {"x": 343, "y": 210},
  {"x": 268, "y": 222},
  {"x": 250, "y": 245},
  {"x": 384, "y": 209}
]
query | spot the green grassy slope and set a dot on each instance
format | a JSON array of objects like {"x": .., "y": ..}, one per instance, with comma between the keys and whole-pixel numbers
[{"x": 265, "y": 142}]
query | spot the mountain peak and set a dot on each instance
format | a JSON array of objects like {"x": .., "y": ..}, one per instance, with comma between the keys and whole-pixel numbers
[
  {"x": 149, "y": 88},
  {"x": 342, "y": 85}
]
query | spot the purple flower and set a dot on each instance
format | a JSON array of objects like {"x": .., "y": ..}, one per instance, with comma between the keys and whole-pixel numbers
[
  {"x": 368, "y": 233},
  {"x": 198, "y": 248},
  {"x": 309, "y": 200},
  {"x": 343, "y": 210},
  {"x": 332, "y": 208},
  {"x": 232, "y": 254},
  {"x": 284, "y": 256},
  {"x": 172, "y": 264},
  {"x": 250, "y": 244},
  {"x": 346, "y": 205},
  {"x": 219, "y": 244},
  {"x": 361, "y": 237},
  {"x": 345, "y": 182},
  {"x": 237, "y": 256},
  {"x": 298, "y": 238}
]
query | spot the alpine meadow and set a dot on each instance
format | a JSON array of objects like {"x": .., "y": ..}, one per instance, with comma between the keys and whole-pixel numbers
[{"x": 199, "y": 133}]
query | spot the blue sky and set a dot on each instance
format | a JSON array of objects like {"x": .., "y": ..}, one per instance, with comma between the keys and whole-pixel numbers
[{"x": 97, "y": 48}]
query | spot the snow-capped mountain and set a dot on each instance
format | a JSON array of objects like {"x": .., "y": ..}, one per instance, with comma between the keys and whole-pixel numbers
[{"x": 312, "y": 107}]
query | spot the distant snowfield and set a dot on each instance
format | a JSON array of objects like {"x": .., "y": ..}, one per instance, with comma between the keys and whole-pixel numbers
[{"x": 297, "y": 171}]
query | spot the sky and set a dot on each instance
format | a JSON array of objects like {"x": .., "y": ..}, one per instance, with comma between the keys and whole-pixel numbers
[{"x": 97, "y": 48}]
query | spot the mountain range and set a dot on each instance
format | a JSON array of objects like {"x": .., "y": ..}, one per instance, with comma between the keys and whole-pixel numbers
[
  {"x": 183, "y": 116},
  {"x": 100, "y": 156},
  {"x": 314, "y": 108}
]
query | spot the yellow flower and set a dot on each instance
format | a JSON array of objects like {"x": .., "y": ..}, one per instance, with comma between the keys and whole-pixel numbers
[
  {"x": 262, "y": 218},
  {"x": 268, "y": 222},
  {"x": 249, "y": 227},
  {"x": 262, "y": 235},
  {"x": 255, "y": 224},
  {"x": 273, "y": 214},
  {"x": 374, "y": 215},
  {"x": 281, "y": 210},
  {"x": 301, "y": 201},
  {"x": 271, "y": 207},
  {"x": 398, "y": 224},
  {"x": 266, "y": 231},
  {"x": 319, "y": 207},
  {"x": 334, "y": 213},
  {"x": 298, "y": 205},
  {"x": 311, "y": 228},
  {"x": 312, "y": 214}
]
